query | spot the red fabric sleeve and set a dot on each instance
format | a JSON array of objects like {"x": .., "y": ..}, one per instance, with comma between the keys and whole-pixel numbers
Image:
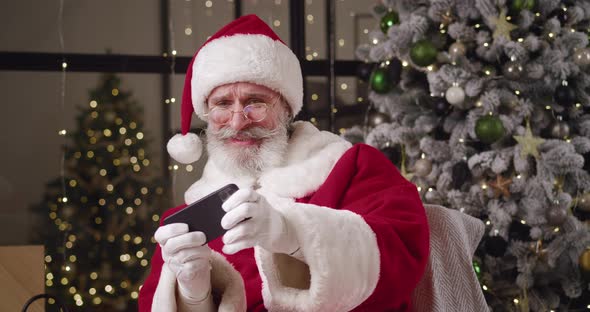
[{"x": 365, "y": 182}]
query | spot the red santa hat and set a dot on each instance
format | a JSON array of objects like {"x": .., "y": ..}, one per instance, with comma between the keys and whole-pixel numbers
[{"x": 245, "y": 50}]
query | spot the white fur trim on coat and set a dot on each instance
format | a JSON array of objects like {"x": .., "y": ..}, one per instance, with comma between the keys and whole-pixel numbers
[
  {"x": 343, "y": 260},
  {"x": 247, "y": 58},
  {"x": 310, "y": 157},
  {"x": 225, "y": 280}
]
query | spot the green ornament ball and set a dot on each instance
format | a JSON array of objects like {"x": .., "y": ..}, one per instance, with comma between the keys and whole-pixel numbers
[
  {"x": 518, "y": 5},
  {"x": 381, "y": 81},
  {"x": 423, "y": 53},
  {"x": 388, "y": 20},
  {"x": 477, "y": 269},
  {"x": 489, "y": 129}
]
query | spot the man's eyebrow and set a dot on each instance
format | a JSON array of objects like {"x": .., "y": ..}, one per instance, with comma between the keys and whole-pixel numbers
[{"x": 220, "y": 98}]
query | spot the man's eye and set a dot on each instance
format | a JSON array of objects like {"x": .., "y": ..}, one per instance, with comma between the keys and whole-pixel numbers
[{"x": 223, "y": 104}]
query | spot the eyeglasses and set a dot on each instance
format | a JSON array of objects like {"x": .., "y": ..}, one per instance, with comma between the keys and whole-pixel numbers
[{"x": 254, "y": 112}]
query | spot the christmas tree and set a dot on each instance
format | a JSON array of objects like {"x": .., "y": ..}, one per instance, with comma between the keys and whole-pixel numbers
[
  {"x": 485, "y": 106},
  {"x": 98, "y": 218}
]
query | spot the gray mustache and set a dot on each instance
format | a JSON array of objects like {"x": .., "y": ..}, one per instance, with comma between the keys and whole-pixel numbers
[{"x": 252, "y": 133}]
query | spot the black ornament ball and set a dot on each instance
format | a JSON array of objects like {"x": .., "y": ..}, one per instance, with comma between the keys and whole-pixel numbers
[
  {"x": 460, "y": 174},
  {"x": 519, "y": 231},
  {"x": 560, "y": 130},
  {"x": 556, "y": 216},
  {"x": 562, "y": 16},
  {"x": 394, "y": 154},
  {"x": 388, "y": 20},
  {"x": 440, "y": 106},
  {"x": 364, "y": 70},
  {"x": 564, "y": 95},
  {"x": 395, "y": 70},
  {"x": 496, "y": 246}
]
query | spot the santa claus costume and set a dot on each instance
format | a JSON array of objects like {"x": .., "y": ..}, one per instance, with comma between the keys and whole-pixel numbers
[{"x": 361, "y": 226}]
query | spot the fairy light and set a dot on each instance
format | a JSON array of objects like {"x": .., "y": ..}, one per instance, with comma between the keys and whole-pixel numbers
[
  {"x": 93, "y": 275},
  {"x": 484, "y": 287},
  {"x": 155, "y": 218},
  {"x": 189, "y": 168},
  {"x": 515, "y": 301},
  {"x": 522, "y": 221},
  {"x": 115, "y": 92}
]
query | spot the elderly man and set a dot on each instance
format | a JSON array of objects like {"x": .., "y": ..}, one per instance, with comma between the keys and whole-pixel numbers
[{"x": 328, "y": 226}]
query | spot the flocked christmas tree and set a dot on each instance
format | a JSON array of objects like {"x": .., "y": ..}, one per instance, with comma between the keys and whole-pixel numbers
[
  {"x": 99, "y": 218},
  {"x": 485, "y": 106}
]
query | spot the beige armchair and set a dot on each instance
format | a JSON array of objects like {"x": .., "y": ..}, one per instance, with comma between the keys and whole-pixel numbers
[{"x": 449, "y": 282}]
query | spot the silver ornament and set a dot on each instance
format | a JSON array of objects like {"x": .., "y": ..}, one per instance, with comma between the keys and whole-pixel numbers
[
  {"x": 512, "y": 70},
  {"x": 455, "y": 95},
  {"x": 457, "y": 50},
  {"x": 422, "y": 167},
  {"x": 560, "y": 130},
  {"x": 582, "y": 57},
  {"x": 556, "y": 216}
]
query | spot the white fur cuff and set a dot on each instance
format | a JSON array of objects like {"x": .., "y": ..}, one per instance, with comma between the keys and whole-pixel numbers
[{"x": 343, "y": 258}]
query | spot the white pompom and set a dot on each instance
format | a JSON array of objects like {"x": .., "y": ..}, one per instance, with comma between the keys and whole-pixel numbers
[{"x": 185, "y": 149}]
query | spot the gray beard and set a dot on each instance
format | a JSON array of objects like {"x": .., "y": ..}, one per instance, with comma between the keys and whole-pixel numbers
[{"x": 248, "y": 160}]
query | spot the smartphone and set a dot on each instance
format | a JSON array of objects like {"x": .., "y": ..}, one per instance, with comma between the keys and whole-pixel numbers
[{"x": 205, "y": 214}]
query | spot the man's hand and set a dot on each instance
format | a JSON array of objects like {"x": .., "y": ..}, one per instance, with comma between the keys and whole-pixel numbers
[
  {"x": 251, "y": 220},
  {"x": 188, "y": 257}
]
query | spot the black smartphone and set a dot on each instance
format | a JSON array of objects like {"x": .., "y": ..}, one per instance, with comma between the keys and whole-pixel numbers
[{"x": 205, "y": 214}]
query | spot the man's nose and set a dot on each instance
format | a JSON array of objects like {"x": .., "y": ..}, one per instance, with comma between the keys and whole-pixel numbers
[{"x": 238, "y": 121}]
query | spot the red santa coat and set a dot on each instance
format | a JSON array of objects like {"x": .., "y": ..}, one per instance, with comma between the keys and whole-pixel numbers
[{"x": 361, "y": 226}]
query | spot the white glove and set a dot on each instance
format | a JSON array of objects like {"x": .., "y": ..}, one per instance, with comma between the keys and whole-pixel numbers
[
  {"x": 251, "y": 220},
  {"x": 188, "y": 257}
]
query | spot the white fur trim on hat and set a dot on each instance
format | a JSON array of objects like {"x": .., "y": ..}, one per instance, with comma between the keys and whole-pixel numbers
[
  {"x": 185, "y": 149},
  {"x": 247, "y": 58}
]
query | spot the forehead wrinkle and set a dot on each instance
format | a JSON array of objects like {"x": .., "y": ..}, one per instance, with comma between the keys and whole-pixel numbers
[{"x": 242, "y": 92}]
